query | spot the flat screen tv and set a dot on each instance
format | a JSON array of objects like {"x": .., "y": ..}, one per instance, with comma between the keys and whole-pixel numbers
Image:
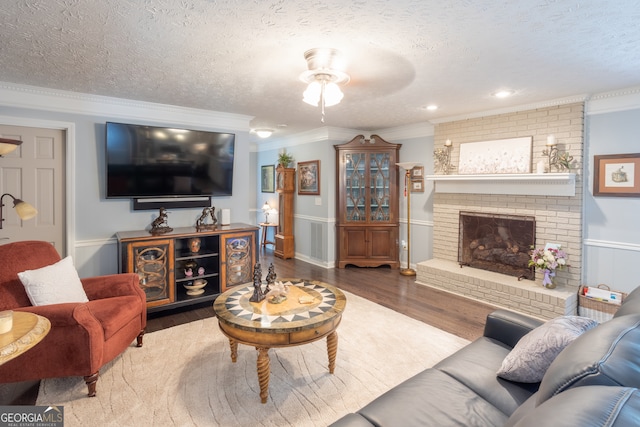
[{"x": 150, "y": 161}]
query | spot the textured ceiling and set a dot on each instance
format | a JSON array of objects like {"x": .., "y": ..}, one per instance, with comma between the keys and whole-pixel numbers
[{"x": 244, "y": 57}]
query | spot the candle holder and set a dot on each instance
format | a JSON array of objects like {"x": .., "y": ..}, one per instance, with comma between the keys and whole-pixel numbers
[
  {"x": 560, "y": 160},
  {"x": 442, "y": 157}
]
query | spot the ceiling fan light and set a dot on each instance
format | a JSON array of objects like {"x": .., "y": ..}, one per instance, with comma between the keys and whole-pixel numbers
[
  {"x": 332, "y": 94},
  {"x": 312, "y": 95}
]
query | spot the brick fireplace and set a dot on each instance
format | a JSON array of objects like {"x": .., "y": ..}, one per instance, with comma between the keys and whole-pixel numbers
[{"x": 552, "y": 201}]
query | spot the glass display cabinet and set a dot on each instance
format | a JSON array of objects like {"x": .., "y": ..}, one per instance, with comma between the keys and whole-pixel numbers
[{"x": 367, "y": 206}]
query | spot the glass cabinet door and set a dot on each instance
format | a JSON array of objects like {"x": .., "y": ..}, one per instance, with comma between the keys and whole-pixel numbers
[
  {"x": 379, "y": 165},
  {"x": 152, "y": 264},
  {"x": 355, "y": 191}
]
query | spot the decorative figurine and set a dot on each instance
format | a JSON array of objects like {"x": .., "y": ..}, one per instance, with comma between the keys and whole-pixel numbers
[
  {"x": 160, "y": 225},
  {"x": 271, "y": 277},
  {"x": 190, "y": 268},
  {"x": 257, "y": 284},
  {"x": 194, "y": 245},
  {"x": 201, "y": 223},
  {"x": 200, "y": 271},
  {"x": 279, "y": 293}
]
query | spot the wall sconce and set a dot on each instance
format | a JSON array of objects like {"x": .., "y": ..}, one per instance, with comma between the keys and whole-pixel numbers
[
  {"x": 24, "y": 210},
  {"x": 8, "y": 145},
  {"x": 443, "y": 158}
]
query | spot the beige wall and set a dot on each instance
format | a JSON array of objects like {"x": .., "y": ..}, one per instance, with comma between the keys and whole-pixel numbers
[{"x": 558, "y": 218}]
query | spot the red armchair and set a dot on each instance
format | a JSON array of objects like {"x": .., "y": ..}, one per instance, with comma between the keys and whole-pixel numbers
[{"x": 83, "y": 336}]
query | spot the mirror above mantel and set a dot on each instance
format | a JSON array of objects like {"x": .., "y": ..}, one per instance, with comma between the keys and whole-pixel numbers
[{"x": 545, "y": 184}]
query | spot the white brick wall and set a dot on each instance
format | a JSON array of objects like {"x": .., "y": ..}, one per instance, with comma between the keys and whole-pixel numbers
[{"x": 558, "y": 218}]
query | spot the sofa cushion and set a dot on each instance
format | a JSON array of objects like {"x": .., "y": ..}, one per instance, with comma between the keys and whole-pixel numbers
[
  {"x": 606, "y": 355},
  {"x": 475, "y": 366},
  {"x": 532, "y": 355},
  {"x": 54, "y": 284},
  {"x": 114, "y": 313},
  {"x": 431, "y": 398},
  {"x": 595, "y": 406}
]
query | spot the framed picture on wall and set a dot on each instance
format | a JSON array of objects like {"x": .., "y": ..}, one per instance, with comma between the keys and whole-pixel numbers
[
  {"x": 417, "y": 186},
  {"x": 267, "y": 178},
  {"x": 309, "y": 177},
  {"x": 616, "y": 175},
  {"x": 417, "y": 172}
]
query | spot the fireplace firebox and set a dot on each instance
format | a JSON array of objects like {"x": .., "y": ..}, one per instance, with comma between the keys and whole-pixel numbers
[{"x": 497, "y": 242}]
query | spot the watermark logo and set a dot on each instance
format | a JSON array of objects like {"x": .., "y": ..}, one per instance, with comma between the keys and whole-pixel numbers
[{"x": 31, "y": 416}]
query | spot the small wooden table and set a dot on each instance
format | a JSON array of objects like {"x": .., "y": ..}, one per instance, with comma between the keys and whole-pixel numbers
[
  {"x": 264, "y": 325},
  {"x": 28, "y": 330},
  {"x": 265, "y": 230}
]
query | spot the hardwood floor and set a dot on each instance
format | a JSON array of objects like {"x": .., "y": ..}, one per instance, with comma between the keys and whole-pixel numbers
[{"x": 382, "y": 285}]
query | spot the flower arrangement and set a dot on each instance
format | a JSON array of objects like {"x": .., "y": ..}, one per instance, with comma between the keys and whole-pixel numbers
[{"x": 548, "y": 259}]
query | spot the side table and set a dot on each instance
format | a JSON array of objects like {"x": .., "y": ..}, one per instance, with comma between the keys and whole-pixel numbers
[
  {"x": 265, "y": 230},
  {"x": 28, "y": 330}
]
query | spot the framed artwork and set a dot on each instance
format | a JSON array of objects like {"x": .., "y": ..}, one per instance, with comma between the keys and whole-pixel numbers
[
  {"x": 616, "y": 175},
  {"x": 309, "y": 177},
  {"x": 417, "y": 186},
  {"x": 511, "y": 155},
  {"x": 267, "y": 178},
  {"x": 417, "y": 172}
]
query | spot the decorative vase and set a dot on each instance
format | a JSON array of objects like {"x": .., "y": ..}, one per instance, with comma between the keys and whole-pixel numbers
[
  {"x": 194, "y": 245},
  {"x": 549, "y": 279}
]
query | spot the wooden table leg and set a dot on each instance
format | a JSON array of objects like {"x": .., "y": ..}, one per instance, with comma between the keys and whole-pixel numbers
[
  {"x": 332, "y": 350},
  {"x": 264, "y": 370},
  {"x": 234, "y": 350}
]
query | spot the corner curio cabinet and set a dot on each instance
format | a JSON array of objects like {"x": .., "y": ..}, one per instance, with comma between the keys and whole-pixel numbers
[{"x": 367, "y": 206}]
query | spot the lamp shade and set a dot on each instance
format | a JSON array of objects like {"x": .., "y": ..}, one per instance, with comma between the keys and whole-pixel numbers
[
  {"x": 332, "y": 94},
  {"x": 24, "y": 210},
  {"x": 266, "y": 207},
  {"x": 312, "y": 95},
  {"x": 8, "y": 145}
]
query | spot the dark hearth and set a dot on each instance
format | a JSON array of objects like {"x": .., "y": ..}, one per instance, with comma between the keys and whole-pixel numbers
[{"x": 498, "y": 243}]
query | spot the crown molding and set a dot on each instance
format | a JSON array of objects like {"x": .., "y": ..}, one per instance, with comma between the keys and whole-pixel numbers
[
  {"x": 514, "y": 109},
  {"x": 619, "y": 100},
  {"x": 23, "y": 96}
]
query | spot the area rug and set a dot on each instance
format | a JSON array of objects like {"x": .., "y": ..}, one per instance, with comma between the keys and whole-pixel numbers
[{"x": 183, "y": 376}]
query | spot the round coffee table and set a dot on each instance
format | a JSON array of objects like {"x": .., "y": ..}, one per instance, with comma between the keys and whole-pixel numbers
[
  {"x": 28, "y": 330},
  {"x": 312, "y": 311}
]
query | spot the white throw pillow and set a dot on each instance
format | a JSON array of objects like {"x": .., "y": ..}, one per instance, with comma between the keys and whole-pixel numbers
[
  {"x": 529, "y": 360},
  {"x": 53, "y": 284}
]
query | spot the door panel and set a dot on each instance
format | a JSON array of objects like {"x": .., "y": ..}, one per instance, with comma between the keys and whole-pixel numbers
[{"x": 34, "y": 173}]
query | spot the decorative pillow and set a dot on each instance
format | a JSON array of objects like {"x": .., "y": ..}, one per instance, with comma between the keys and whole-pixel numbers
[
  {"x": 53, "y": 284},
  {"x": 532, "y": 355}
]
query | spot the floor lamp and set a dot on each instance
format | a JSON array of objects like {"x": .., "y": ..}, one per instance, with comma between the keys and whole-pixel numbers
[{"x": 407, "y": 166}]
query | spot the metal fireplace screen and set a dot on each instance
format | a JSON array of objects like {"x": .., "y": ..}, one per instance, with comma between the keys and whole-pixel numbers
[{"x": 499, "y": 243}]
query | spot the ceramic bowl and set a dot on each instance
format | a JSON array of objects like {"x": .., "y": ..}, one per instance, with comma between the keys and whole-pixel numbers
[{"x": 196, "y": 287}]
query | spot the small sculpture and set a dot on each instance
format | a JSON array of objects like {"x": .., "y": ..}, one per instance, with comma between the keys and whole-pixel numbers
[
  {"x": 201, "y": 223},
  {"x": 200, "y": 271},
  {"x": 160, "y": 225},
  {"x": 194, "y": 244},
  {"x": 257, "y": 296},
  {"x": 279, "y": 292},
  {"x": 271, "y": 277}
]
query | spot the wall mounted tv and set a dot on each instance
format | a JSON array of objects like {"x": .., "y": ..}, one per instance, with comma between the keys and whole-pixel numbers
[{"x": 150, "y": 161}]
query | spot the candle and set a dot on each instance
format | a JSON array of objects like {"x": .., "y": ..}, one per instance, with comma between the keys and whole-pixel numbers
[
  {"x": 6, "y": 321},
  {"x": 551, "y": 140},
  {"x": 447, "y": 143}
]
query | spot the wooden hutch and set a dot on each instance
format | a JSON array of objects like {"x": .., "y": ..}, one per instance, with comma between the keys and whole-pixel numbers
[{"x": 367, "y": 220}]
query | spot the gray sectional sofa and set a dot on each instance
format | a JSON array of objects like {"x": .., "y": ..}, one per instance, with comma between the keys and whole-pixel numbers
[{"x": 593, "y": 381}]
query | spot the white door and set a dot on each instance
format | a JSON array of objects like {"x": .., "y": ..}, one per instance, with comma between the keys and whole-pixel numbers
[{"x": 35, "y": 173}]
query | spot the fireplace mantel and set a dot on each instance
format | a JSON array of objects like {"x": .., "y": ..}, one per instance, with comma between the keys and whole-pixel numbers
[{"x": 532, "y": 184}]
